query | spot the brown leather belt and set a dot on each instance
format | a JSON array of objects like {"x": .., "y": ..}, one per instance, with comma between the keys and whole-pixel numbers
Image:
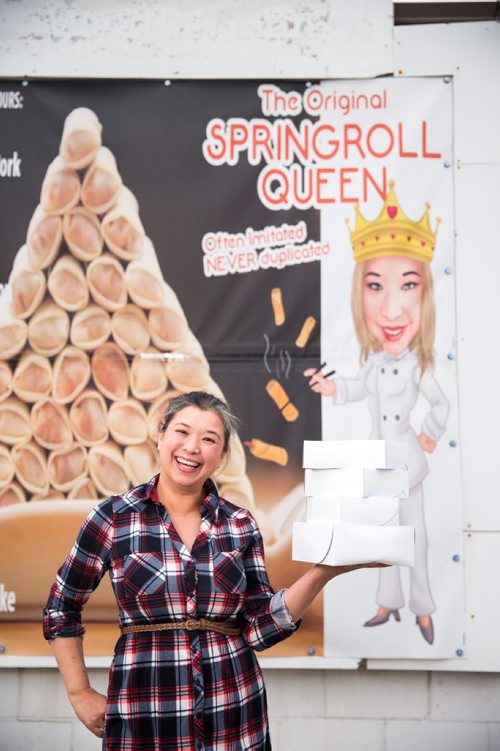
[{"x": 203, "y": 624}]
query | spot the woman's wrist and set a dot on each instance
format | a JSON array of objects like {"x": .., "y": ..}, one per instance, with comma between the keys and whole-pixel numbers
[
  {"x": 326, "y": 573},
  {"x": 75, "y": 693}
]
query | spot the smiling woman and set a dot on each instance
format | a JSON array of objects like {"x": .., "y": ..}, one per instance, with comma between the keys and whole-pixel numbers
[{"x": 195, "y": 602}]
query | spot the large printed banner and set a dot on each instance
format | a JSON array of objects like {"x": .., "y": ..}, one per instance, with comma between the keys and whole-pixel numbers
[{"x": 162, "y": 236}]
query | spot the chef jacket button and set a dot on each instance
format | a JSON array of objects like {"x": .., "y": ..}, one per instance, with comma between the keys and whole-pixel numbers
[
  {"x": 382, "y": 370},
  {"x": 384, "y": 417},
  {"x": 395, "y": 371},
  {"x": 396, "y": 417}
]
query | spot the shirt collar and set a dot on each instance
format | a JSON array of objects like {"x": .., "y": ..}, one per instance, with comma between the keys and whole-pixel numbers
[
  {"x": 209, "y": 505},
  {"x": 401, "y": 356}
]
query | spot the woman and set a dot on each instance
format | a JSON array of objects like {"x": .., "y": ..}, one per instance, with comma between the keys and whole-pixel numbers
[
  {"x": 394, "y": 316},
  {"x": 188, "y": 572}
]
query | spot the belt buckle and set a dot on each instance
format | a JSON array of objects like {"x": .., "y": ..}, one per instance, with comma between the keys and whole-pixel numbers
[{"x": 192, "y": 624}]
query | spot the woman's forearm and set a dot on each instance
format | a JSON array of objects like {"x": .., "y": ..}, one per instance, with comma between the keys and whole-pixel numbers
[
  {"x": 89, "y": 705},
  {"x": 301, "y": 593},
  {"x": 68, "y": 652}
]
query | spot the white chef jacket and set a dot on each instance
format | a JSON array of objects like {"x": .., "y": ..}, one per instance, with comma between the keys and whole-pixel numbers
[{"x": 392, "y": 386}]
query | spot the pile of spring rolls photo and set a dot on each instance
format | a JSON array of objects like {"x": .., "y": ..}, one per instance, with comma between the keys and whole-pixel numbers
[{"x": 93, "y": 341}]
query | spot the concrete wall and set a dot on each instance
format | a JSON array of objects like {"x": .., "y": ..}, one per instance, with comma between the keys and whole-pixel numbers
[
  {"x": 380, "y": 710},
  {"x": 309, "y": 709}
]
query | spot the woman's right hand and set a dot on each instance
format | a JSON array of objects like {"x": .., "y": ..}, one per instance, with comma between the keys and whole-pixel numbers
[
  {"x": 319, "y": 383},
  {"x": 90, "y": 708}
]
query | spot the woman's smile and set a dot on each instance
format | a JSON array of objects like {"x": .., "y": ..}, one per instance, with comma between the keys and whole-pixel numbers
[
  {"x": 186, "y": 465},
  {"x": 394, "y": 333}
]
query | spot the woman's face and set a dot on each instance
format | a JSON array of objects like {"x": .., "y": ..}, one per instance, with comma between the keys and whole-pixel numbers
[
  {"x": 192, "y": 447},
  {"x": 392, "y": 301}
]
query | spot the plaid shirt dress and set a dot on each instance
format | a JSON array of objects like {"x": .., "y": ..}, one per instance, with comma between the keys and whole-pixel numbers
[{"x": 183, "y": 690}]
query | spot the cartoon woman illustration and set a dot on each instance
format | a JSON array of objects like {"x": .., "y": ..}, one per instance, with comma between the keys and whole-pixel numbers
[{"x": 394, "y": 317}]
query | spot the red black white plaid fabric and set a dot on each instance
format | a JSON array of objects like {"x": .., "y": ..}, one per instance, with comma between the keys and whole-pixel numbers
[{"x": 182, "y": 690}]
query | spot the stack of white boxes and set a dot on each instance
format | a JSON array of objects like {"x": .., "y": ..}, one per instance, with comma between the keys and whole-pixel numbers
[{"x": 354, "y": 489}]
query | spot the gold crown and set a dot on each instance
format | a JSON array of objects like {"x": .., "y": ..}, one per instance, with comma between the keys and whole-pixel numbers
[{"x": 392, "y": 233}]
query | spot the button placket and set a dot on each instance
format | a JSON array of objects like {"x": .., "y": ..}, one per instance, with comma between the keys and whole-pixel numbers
[
  {"x": 198, "y": 689},
  {"x": 190, "y": 582}
]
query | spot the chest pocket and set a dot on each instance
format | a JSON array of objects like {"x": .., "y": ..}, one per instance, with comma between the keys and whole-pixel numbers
[
  {"x": 229, "y": 572},
  {"x": 144, "y": 574}
]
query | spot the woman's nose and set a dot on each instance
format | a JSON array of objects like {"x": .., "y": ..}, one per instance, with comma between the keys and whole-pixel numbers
[
  {"x": 391, "y": 307},
  {"x": 191, "y": 444}
]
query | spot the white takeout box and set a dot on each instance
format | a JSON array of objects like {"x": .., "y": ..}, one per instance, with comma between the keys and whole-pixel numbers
[
  {"x": 348, "y": 544},
  {"x": 357, "y": 483},
  {"x": 372, "y": 454},
  {"x": 378, "y": 511}
]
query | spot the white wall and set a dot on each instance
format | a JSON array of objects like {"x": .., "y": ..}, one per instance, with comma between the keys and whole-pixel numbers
[
  {"x": 380, "y": 710},
  {"x": 196, "y": 38}
]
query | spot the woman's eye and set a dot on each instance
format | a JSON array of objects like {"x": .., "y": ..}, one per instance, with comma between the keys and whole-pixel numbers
[
  {"x": 209, "y": 440},
  {"x": 376, "y": 286},
  {"x": 410, "y": 285},
  {"x": 181, "y": 431}
]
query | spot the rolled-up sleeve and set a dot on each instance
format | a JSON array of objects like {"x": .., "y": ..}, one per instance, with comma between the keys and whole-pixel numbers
[
  {"x": 264, "y": 619},
  {"x": 80, "y": 574}
]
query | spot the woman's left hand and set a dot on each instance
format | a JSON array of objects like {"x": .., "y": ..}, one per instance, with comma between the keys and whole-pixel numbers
[{"x": 427, "y": 444}]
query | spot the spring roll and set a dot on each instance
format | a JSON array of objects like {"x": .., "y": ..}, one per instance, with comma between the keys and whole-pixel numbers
[
  {"x": 122, "y": 228},
  {"x": 81, "y": 138},
  {"x": 60, "y": 188},
  {"x": 102, "y": 183},
  {"x": 280, "y": 398}
]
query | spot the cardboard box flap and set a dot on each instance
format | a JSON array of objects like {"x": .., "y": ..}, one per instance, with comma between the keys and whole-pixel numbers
[{"x": 311, "y": 541}]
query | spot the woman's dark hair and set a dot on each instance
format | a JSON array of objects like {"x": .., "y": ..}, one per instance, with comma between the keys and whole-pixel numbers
[{"x": 205, "y": 401}]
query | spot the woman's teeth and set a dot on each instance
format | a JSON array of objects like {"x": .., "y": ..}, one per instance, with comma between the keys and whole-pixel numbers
[
  {"x": 393, "y": 332},
  {"x": 187, "y": 462}
]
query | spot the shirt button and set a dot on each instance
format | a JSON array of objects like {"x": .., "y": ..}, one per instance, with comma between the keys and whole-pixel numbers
[
  {"x": 397, "y": 417},
  {"x": 395, "y": 371},
  {"x": 382, "y": 370},
  {"x": 384, "y": 417}
]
